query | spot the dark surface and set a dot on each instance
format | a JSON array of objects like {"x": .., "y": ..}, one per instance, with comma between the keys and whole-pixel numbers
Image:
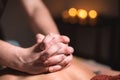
[{"x": 100, "y": 42}]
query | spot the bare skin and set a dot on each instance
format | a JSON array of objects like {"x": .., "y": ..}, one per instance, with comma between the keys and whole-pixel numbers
[
  {"x": 54, "y": 55},
  {"x": 41, "y": 21},
  {"x": 76, "y": 71},
  {"x": 29, "y": 59},
  {"x": 39, "y": 17}
]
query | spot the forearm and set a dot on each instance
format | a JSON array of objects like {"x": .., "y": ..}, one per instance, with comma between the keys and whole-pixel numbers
[
  {"x": 8, "y": 53},
  {"x": 39, "y": 16}
]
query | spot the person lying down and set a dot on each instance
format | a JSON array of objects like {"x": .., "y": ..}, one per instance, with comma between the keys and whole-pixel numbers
[{"x": 76, "y": 71}]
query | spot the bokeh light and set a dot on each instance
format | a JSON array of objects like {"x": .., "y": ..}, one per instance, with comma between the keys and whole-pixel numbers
[
  {"x": 65, "y": 15},
  {"x": 82, "y": 13},
  {"x": 72, "y": 12},
  {"x": 92, "y": 14}
]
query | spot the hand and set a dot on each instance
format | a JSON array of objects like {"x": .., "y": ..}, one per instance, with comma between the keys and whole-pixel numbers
[
  {"x": 51, "y": 53},
  {"x": 55, "y": 46}
]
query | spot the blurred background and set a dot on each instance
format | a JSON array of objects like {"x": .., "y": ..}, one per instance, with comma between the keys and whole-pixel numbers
[{"x": 93, "y": 26}]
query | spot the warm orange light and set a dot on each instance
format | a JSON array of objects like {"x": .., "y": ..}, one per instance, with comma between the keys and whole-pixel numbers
[
  {"x": 92, "y": 14},
  {"x": 65, "y": 15},
  {"x": 72, "y": 12},
  {"x": 82, "y": 13}
]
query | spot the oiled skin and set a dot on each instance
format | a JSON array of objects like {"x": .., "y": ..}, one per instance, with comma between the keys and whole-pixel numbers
[{"x": 76, "y": 71}]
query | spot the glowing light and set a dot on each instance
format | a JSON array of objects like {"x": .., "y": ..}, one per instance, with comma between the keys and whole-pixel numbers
[
  {"x": 72, "y": 12},
  {"x": 92, "y": 14},
  {"x": 82, "y": 13},
  {"x": 65, "y": 14}
]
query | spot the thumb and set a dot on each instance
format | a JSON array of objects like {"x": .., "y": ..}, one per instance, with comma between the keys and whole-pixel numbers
[
  {"x": 39, "y": 41},
  {"x": 39, "y": 38}
]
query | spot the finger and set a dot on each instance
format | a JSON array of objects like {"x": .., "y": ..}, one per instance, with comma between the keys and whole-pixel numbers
[
  {"x": 51, "y": 39},
  {"x": 45, "y": 41},
  {"x": 65, "y": 39},
  {"x": 66, "y": 61},
  {"x": 55, "y": 68},
  {"x": 49, "y": 52},
  {"x": 64, "y": 49},
  {"x": 59, "y": 38},
  {"x": 57, "y": 49},
  {"x": 54, "y": 60},
  {"x": 62, "y": 65},
  {"x": 48, "y": 40},
  {"x": 40, "y": 38},
  {"x": 69, "y": 50},
  {"x": 44, "y": 69}
]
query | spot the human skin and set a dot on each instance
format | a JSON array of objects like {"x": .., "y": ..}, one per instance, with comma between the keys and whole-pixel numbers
[
  {"x": 62, "y": 49},
  {"x": 41, "y": 21},
  {"x": 76, "y": 71},
  {"x": 39, "y": 17},
  {"x": 52, "y": 57},
  {"x": 44, "y": 24}
]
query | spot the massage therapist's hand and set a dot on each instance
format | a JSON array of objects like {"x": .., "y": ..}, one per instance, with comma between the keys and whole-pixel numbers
[
  {"x": 51, "y": 53},
  {"x": 56, "y": 52}
]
